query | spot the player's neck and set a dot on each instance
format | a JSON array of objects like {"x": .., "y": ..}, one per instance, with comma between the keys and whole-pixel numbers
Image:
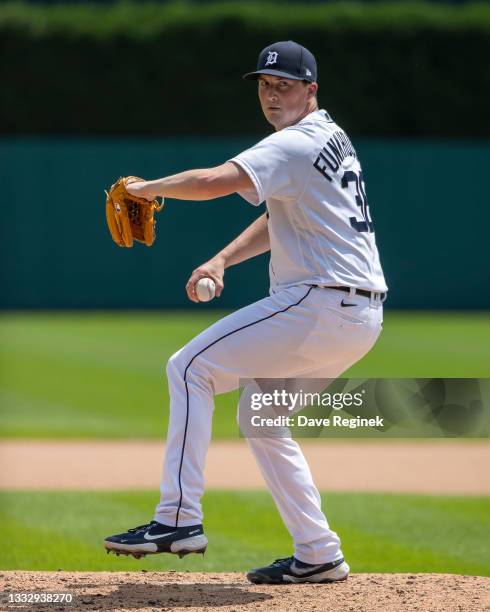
[{"x": 311, "y": 107}]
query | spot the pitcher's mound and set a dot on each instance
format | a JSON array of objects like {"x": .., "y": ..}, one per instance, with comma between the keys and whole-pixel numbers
[{"x": 231, "y": 592}]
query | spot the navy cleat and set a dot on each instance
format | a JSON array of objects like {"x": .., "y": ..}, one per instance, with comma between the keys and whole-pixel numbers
[
  {"x": 155, "y": 538},
  {"x": 291, "y": 570}
]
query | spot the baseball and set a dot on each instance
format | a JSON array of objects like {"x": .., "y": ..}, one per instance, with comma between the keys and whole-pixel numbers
[{"x": 205, "y": 289}]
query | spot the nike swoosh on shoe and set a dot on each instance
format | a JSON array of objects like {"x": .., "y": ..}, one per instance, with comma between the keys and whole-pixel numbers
[
  {"x": 299, "y": 571},
  {"x": 147, "y": 536}
]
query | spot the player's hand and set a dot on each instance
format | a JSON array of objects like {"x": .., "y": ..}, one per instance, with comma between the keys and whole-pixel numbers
[
  {"x": 138, "y": 188},
  {"x": 215, "y": 269}
]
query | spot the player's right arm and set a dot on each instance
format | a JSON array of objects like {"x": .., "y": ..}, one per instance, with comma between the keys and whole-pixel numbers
[{"x": 251, "y": 242}]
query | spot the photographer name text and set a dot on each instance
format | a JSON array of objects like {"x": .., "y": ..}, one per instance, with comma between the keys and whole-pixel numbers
[{"x": 303, "y": 421}]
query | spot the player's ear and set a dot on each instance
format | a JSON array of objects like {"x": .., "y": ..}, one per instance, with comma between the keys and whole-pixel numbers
[{"x": 312, "y": 89}]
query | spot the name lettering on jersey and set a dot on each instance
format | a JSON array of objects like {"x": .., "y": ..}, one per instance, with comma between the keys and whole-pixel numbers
[{"x": 332, "y": 155}]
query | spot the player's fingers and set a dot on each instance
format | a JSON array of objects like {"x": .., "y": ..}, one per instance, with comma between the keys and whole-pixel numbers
[
  {"x": 133, "y": 187},
  {"x": 219, "y": 286},
  {"x": 191, "y": 287},
  {"x": 191, "y": 292}
]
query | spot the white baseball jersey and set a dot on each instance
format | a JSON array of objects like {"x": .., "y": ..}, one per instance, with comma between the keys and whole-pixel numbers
[{"x": 319, "y": 224}]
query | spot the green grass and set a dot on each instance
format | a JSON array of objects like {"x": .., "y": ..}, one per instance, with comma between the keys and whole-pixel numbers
[
  {"x": 380, "y": 533},
  {"x": 102, "y": 375}
]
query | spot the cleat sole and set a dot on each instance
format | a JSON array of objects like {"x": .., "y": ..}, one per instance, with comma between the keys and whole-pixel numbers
[
  {"x": 183, "y": 553},
  {"x": 139, "y": 554}
]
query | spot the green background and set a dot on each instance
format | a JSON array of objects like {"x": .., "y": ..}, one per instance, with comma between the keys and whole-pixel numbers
[
  {"x": 89, "y": 94},
  {"x": 407, "y": 68},
  {"x": 102, "y": 375},
  {"x": 427, "y": 198},
  {"x": 380, "y": 533}
]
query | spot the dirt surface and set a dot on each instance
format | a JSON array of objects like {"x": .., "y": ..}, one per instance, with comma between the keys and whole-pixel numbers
[
  {"x": 437, "y": 467},
  {"x": 231, "y": 592}
]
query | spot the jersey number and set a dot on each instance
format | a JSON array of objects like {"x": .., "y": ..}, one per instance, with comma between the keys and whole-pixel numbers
[{"x": 366, "y": 225}]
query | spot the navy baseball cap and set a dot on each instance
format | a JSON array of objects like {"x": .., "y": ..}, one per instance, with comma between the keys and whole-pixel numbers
[{"x": 286, "y": 59}]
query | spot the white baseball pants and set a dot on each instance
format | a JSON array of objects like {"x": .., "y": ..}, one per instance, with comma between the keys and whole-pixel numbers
[{"x": 299, "y": 332}]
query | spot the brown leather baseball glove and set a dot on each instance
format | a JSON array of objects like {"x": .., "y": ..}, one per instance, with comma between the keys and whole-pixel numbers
[{"x": 130, "y": 217}]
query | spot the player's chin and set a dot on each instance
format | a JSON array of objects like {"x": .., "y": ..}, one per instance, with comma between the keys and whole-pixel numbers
[{"x": 273, "y": 117}]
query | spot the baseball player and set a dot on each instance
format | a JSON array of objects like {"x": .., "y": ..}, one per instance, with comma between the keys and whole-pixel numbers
[{"x": 323, "y": 313}]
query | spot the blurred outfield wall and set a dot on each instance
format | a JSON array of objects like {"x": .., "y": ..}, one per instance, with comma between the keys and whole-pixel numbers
[{"x": 429, "y": 202}]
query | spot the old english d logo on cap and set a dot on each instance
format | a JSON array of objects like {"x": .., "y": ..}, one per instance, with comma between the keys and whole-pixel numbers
[
  {"x": 271, "y": 58},
  {"x": 288, "y": 59}
]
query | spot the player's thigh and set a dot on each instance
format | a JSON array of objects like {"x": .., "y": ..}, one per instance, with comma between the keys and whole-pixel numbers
[
  {"x": 262, "y": 339},
  {"x": 291, "y": 333}
]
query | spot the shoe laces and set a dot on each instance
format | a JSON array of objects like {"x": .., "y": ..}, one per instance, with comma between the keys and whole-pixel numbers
[
  {"x": 140, "y": 528},
  {"x": 282, "y": 561}
]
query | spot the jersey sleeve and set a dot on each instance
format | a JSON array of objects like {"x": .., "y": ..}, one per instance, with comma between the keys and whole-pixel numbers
[{"x": 277, "y": 166}]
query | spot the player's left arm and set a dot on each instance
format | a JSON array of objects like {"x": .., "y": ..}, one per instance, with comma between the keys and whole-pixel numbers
[{"x": 201, "y": 184}]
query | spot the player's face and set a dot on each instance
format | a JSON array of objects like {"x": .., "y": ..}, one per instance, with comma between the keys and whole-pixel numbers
[{"x": 285, "y": 101}]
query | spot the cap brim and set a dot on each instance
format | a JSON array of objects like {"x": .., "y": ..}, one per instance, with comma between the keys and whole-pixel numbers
[{"x": 279, "y": 73}]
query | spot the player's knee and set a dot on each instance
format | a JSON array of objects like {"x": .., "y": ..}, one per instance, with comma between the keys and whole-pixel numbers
[
  {"x": 175, "y": 365},
  {"x": 180, "y": 365}
]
